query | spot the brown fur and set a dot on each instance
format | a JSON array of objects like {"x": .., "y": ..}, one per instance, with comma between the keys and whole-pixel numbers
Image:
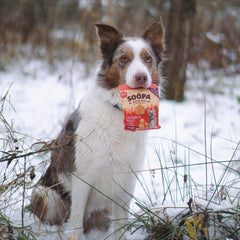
[
  {"x": 147, "y": 58},
  {"x": 117, "y": 72},
  {"x": 151, "y": 65},
  {"x": 98, "y": 219},
  {"x": 155, "y": 76},
  {"x": 112, "y": 79},
  {"x": 110, "y": 38},
  {"x": 39, "y": 207},
  {"x": 155, "y": 35},
  {"x": 125, "y": 58},
  {"x": 62, "y": 161}
]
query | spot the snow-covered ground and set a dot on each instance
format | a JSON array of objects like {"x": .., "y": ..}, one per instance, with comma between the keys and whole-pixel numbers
[{"x": 205, "y": 124}]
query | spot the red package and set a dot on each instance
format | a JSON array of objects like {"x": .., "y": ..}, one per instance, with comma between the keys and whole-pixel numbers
[{"x": 140, "y": 107}]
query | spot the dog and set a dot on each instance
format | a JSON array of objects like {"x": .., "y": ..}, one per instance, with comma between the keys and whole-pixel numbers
[{"x": 90, "y": 181}]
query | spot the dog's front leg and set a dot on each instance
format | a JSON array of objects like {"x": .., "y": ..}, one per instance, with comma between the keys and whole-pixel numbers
[
  {"x": 80, "y": 192},
  {"x": 120, "y": 221}
]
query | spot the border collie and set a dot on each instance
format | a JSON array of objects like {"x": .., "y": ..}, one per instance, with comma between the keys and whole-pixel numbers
[{"x": 91, "y": 179}]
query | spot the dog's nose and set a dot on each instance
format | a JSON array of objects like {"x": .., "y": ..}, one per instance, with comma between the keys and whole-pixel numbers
[{"x": 140, "y": 78}]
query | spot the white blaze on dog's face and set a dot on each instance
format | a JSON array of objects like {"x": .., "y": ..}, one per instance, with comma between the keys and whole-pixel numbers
[
  {"x": 131, "y": 61},
  {"x": 135, "y": 62}
]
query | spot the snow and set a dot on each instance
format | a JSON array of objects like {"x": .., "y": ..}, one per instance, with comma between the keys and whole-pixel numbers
[
  {"x": 205, "y": 124},
  {"x": 217, "y": 38}
]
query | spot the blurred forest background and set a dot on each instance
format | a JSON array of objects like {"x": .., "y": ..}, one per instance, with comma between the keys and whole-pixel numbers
[{"x": 205, "y": 34}]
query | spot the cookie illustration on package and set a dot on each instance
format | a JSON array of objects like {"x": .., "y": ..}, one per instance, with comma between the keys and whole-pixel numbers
[{"x": 140, "y": 107}]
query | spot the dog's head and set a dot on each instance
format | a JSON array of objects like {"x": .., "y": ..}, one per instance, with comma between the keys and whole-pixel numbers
[{"x": 131, "y": 61}]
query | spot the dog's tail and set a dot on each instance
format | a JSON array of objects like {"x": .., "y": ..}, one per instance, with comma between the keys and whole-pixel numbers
[{"x": 49, "y": 205}]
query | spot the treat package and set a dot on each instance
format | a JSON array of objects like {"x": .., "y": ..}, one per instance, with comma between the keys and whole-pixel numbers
[{"x": 140, "y": 107}]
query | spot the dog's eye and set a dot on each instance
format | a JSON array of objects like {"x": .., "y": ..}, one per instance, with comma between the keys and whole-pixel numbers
[
  {"x": 148, "y": 59},
  {"x": 124, "y": 59}
]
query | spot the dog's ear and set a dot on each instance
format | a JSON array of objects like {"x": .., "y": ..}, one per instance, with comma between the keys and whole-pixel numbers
[
  {"x": 155, "y": 35},
  {"x": 109, "y": 39},
  {"x": 107, "y": 33}
]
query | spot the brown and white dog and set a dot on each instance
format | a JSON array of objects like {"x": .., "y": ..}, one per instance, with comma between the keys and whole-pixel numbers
[{"x": 90, "y": 181}]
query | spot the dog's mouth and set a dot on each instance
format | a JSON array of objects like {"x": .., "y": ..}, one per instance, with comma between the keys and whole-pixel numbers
[
  {"x": 139, "y": 85},
  {"x": 140, "y": 80}
]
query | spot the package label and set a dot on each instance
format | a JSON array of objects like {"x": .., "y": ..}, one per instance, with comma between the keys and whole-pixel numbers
[{"x": 140, "y": 107}]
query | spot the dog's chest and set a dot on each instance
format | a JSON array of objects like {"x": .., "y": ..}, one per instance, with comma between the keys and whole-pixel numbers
[{"x": 102, "y": 141}]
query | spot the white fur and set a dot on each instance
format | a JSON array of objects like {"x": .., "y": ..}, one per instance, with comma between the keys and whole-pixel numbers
[
  {"x": 106, "y": 156},
  {"x": 137, "y": 65}
]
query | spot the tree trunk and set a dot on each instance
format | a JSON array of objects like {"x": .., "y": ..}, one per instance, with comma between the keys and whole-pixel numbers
[{"x": 180, "y": 25}]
